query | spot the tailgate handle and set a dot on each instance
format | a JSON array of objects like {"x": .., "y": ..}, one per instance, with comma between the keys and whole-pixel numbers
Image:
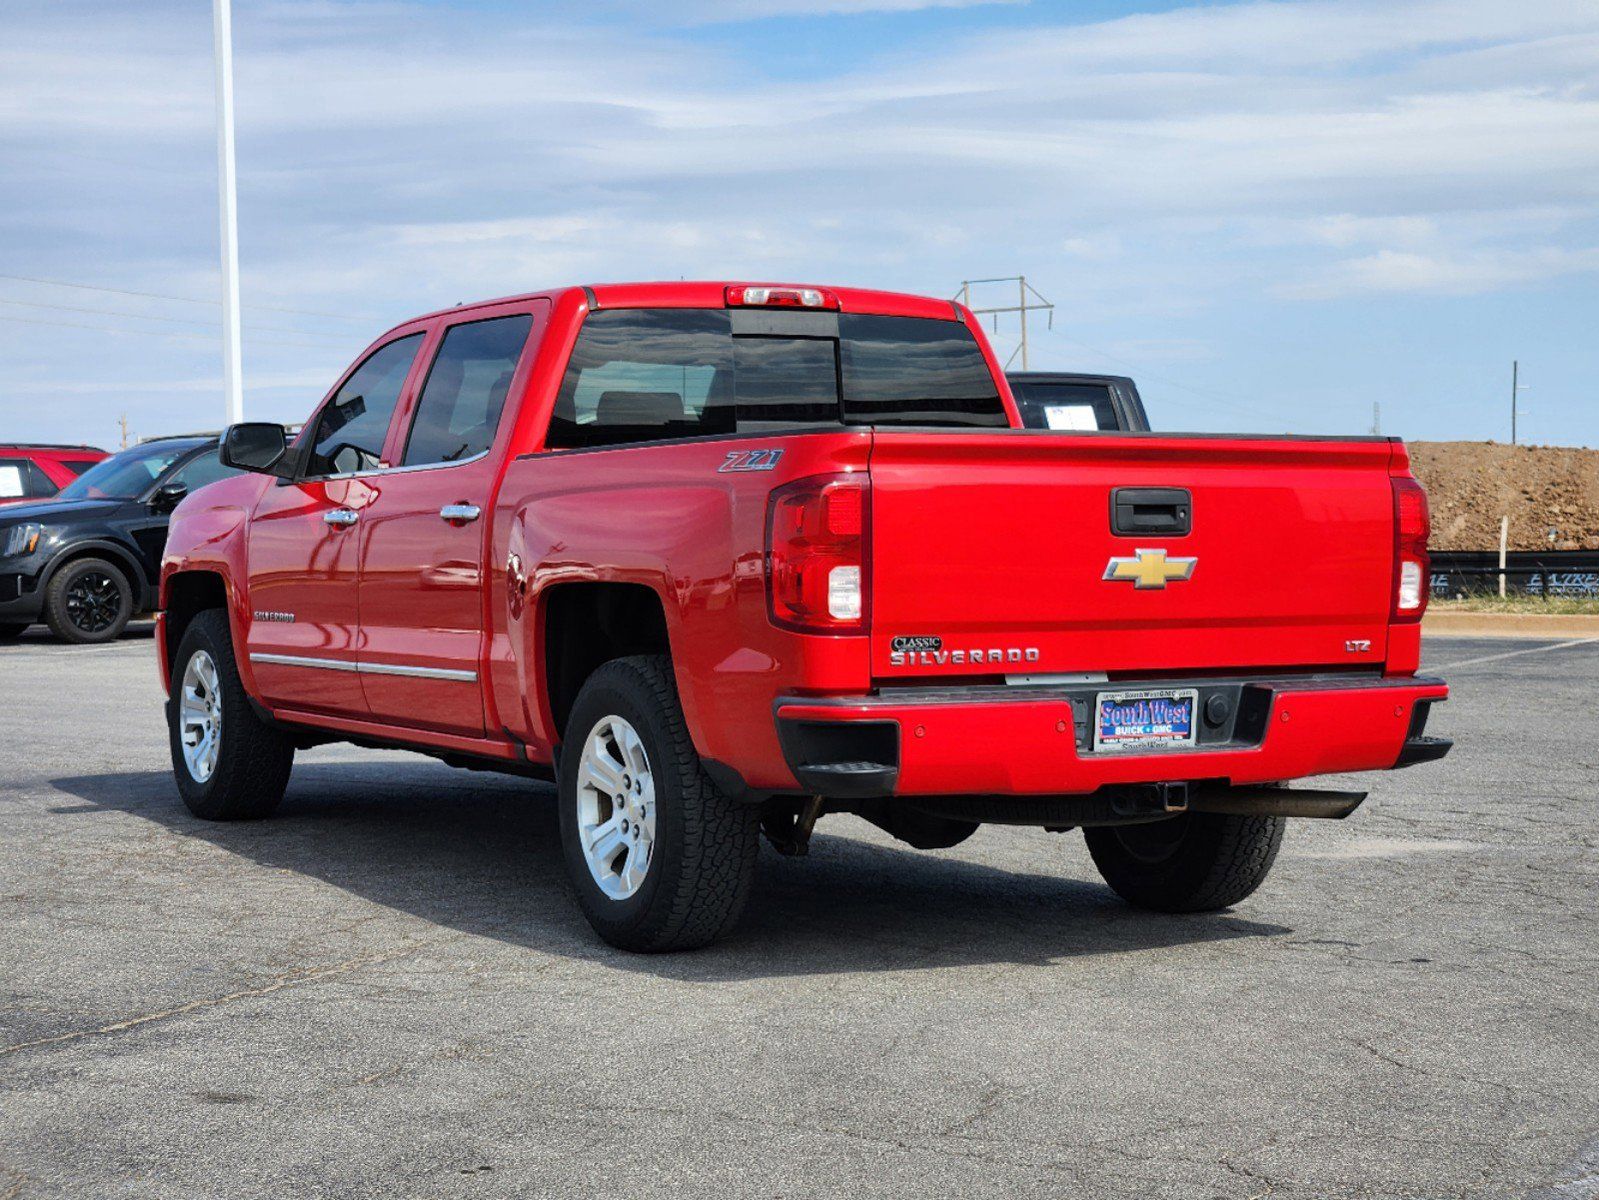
[{"x": 1138, "y": 512}]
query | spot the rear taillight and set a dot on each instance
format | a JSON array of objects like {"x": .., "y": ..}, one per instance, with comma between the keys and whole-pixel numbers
[
  {"x": 1412, "y": 566},
  {"x": 816, "y": 554},
  {"x": 746, "y": 295}
]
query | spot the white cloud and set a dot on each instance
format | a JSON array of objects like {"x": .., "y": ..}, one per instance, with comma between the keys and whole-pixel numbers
[
  {"x": 1440, "y": 274},
  {"x": 395, "y": 156}
]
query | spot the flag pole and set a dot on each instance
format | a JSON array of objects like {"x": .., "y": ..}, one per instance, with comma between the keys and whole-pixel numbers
[{"x": 227, "y": 187}]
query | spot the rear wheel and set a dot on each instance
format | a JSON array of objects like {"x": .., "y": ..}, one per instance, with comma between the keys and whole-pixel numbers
[
  {"x": 658, "y": 857},
  {"x": 230, "y": 765},
  {"x": 89, "y": 600},
  {"x": 1195, "y": 862}
]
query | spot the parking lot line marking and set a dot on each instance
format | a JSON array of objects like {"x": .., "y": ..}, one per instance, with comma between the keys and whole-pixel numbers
[
  {"x": 276, "y": 985},
  {"x": 1488, "y": 658}
]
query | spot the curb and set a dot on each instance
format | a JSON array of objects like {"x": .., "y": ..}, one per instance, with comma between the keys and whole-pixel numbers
[{"x": 1513, "y": 625}]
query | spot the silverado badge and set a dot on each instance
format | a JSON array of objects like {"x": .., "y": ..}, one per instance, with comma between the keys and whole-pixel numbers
[{"x": 1150, "y": 569}]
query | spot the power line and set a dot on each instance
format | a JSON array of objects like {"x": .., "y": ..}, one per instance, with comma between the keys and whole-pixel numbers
[
  {"x": 154, "y": 333},
  {"x": 1221, "y": 398},
  {"x": 90, "y": 287},
  {"x": 1022, "y": 307},
  {"x": 111, "y": 312}
]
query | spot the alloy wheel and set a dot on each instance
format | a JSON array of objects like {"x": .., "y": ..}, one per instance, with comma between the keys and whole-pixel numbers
[
  {"x": 616, "y": 807},
  {"x": 200, "y": 716},
  {"x": 93, "y": 602}
]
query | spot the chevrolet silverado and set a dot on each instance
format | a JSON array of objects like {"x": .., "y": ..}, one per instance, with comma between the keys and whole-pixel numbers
[{"x": 723, "y": 559}]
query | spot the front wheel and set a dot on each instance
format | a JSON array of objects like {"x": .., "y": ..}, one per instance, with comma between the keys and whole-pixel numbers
[
  {"x": 90, "y": 600},
  {"x": 659, "y": 858},
  {"x": 230, "y": 765},
  {"x": 1195, "y": 862}
]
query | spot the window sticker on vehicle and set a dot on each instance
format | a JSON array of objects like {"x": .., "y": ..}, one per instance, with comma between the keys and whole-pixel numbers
[{"x": 1070, "y": 416}]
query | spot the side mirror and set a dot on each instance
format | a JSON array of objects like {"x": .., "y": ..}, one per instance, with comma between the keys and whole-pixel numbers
[
  {"x": 168, "y": 496},
  {"x": 258, "y": 446}
]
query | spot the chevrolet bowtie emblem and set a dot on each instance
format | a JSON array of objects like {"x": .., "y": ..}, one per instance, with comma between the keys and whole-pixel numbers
[{"x": 1150, "y": 569}]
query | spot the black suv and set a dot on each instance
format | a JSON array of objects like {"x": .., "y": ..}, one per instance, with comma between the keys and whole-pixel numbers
[{"x": 88, "y": 560}]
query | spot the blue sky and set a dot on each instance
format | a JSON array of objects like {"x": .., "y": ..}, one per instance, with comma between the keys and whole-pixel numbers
[{"x": 1271, "y": 214}]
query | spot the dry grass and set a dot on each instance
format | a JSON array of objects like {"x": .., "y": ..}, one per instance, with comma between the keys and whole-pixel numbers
[{"x": 1556, "y": 606}]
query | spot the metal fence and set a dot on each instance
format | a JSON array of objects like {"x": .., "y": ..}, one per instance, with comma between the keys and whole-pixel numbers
[{"x": 1532, "y": 573}]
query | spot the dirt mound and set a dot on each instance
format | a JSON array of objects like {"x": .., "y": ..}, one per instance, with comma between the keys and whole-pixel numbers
[{"x": 1473, "y": 484}]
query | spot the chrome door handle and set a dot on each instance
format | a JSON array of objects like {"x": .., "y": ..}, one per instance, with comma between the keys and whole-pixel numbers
[
  {"x": 460, "y": 514},
  {"x": 340, "y": 517}
]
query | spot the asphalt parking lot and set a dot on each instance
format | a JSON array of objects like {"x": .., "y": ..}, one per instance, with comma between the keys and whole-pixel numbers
[{"x": 384, "y": 991}]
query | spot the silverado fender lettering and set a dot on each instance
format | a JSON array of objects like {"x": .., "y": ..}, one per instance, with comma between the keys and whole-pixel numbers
[{"x": 695, "y": 664}]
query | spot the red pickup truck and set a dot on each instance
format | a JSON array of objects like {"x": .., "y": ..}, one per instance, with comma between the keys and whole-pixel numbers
[{"x": 721, "y": 559}]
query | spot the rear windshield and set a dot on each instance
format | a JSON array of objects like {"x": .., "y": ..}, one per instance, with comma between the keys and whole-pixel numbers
[
  {"x": 646, "y": 374},
  {"x": 1063, "y": 405}
]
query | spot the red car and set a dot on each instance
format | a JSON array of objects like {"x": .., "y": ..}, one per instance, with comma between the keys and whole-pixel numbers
[
  {"x": 30, "y": 473},
  {"x": 723, "y": 559}
]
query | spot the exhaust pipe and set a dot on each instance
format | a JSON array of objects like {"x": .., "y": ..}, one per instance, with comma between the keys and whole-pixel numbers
[{"x": 1275, "y": 802}]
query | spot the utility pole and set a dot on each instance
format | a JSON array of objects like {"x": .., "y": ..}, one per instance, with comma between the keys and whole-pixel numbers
[
  {"x": 228, "y": 206},
  {"x": 1022, "y": 306},
  {"x": 1376, "y": 419},
  {"x": 1515, "y": 395},
  {"x": 1021, "y": 309},
  {"x": 122, "y": 421}
]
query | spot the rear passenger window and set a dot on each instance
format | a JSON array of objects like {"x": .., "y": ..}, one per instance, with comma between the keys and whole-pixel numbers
[
  {"x": 466, "y": 389},
  {"x": 350, "y": 432},
  {"x": 646, "y": 374},
  {"x": 20, "y": 479}
]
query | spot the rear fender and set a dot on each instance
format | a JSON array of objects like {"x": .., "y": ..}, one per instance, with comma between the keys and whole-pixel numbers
[{"x": 667, "y": 517}]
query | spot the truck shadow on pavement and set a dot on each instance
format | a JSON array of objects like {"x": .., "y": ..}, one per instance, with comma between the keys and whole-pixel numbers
[{"x": 481, "y": 855}]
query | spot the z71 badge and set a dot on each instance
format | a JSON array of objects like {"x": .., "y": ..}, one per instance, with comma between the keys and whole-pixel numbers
[{"x": 750, "y": 460}]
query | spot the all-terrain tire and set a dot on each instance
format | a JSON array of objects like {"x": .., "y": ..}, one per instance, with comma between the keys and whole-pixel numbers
[
  {"x": 702, "y": 865},
  {"x": 89, "y": 600},
  {"x": 1196, "y": 862},
  {"x": 253, "y": 759}
]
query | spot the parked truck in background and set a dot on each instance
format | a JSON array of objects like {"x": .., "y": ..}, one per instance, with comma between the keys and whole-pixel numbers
[
  {"x": 728, "y": 558},
  {"x": 1072, "y": 402}
]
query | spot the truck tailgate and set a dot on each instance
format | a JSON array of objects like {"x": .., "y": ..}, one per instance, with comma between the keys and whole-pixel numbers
[{"x": 990, "y": 551}]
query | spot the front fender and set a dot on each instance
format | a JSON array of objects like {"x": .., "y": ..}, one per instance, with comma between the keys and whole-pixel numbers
[{"x": 208, "y": 535}]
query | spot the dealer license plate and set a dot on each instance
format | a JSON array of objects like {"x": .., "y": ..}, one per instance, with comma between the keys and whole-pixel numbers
[{"x": 1145, "y": 720}]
